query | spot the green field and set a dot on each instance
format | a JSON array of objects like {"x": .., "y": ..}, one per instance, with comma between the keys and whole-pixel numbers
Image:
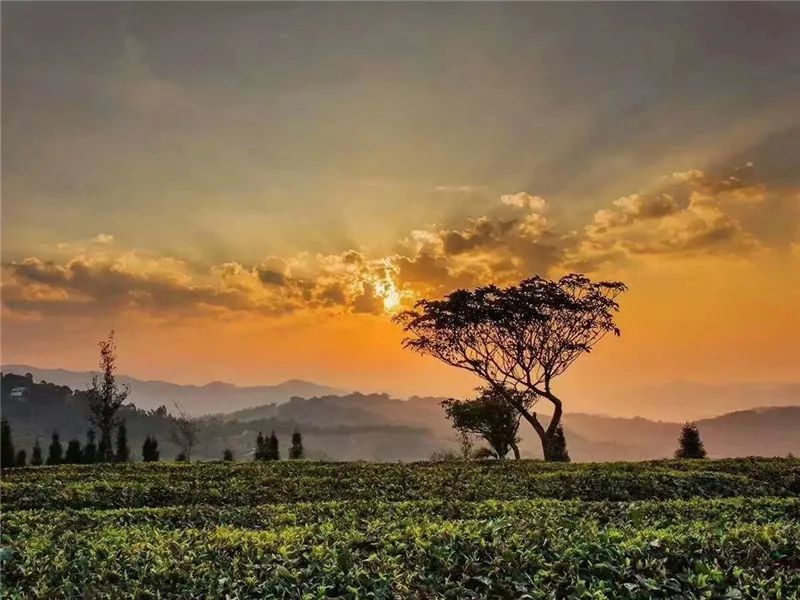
[{"x": 695, "y": 529}]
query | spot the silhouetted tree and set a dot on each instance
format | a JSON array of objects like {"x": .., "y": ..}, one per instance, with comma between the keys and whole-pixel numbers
[
  {"x": 489, "y": 416},
  {"x": 296, "y": 451},
  {"x": 150, "y": 449},
  {"x": 689, "y": 444},
  {"x": 73, "y": 455},
  {"x": 184, "y": 432},
  {"x": 90, "y": 449},
  {"x": 274, "y": 452},
  {"x": 36, "y": 454},
  {"x": 55, "y": 453},
  {"x": 261, "y": 448},
  {"x": 21, "y": 459},
  {"x": 123, "y": 452},
  {"x": 181, "y": 457},
  {"x": 558, "y": 446},
  {"x": 517, "y": 338},
  {"x": 227, "y": 455},
  {"x": 106, "y": 397},
  {"x": 6, "y": 445}
]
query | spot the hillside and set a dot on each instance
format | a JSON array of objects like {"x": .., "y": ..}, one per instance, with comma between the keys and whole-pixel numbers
[
  {"x": 378, "y": 427},
  {"x": 196, "y": 400}
]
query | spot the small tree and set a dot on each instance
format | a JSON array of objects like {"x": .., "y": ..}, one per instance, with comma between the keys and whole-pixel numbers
[
  {"x": 36, "y": 454},
  {"x": 150, "y": 449},
  {"x": 55, "y": 453},
  {"x": 123, "y": 451},
  {"x": 689, "y": 444},
  {"x": 73, "y": 455},
  {"x": 21, "y": 459},
  {"x": 489, "y": 416},
  {"x": 90, "y": 449},
  {"x": 517, "y": 338},
  {"x": 227, "y": 455},
  {"x": 261, "y": 448},
  {"x": 6, "y": 445},
  {"x": 106, "y": 398},
  {"x": 273, "y": 452},
  {"x": 296, "y": 451},
  {"x": 181, "y": 457},
  {"x": 558, "y": 446},
  {"x": 184, "y": 432}
]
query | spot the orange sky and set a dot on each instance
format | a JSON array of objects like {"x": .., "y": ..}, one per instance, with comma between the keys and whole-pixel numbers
[{"x": 253, "y": 205}]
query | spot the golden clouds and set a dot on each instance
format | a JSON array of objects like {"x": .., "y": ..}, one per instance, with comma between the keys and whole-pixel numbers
[{"x": 693, "y": 215}]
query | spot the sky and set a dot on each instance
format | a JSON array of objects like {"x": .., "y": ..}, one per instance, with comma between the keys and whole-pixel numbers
[{"x": 248, "y": 192}]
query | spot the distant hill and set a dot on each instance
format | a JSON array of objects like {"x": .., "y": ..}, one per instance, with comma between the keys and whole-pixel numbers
[
  {"x": 374, "y": 426},
  {"x": 195, "y": 399}
]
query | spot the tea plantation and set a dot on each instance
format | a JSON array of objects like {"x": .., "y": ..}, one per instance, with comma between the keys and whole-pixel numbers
[{"x": 693, "y": 529}]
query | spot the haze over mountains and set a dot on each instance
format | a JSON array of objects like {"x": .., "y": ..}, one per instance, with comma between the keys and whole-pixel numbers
[{"x": 354, "y": 426}]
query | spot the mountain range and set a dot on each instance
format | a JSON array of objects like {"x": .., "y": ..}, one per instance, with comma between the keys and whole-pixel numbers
[{"x": 357, "y": 426}]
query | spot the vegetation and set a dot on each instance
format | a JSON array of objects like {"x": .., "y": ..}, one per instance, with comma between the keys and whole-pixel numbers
[
  {"x": 460, "y": 529},
  {"x": 491, "y": 417},
  {"x": 689, "y": 444},
  {"x": 55, "y": 453},
  {"x": 296, "y": 452},
  {"x": 150, "y": 449},
  {"x": 105, "y": 398},
  {"x": 184, "y": 432},
  {"x": 517, "y": 339},
  {"x": 6, "y": 445}
]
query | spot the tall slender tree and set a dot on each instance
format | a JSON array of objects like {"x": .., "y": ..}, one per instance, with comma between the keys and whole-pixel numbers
[
  {"x": 123, "y": 453},
  {"x": 73, "y": 455},
  {"x": 90, "y": 449},
  {"x": 6, "y": 445},
  {"x": 55, "y": 453},
  {"x": 296, "y": 452},
  {"x": 21, "y": 459},
  {"x": 106, "y": 397},
  {"x": 36, "y": 454},
  {"x": 273, "y": 449},
  {"x": 150, "y": 449},
  {"x": 261, "y": 448},
  {"x": 689, "y": 444}
]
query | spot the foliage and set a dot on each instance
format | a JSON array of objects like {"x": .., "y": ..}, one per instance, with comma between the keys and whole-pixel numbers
[
  {"x": 227, "y": 455},
  {"x": 55, "y": 453},
  {"x": 106, "y": 397},
  {"x": 490, "y": 416},
  {"x": 444, "y": 530},
  {"x": 21, "y": 459},
  {"x": 123, "y": 453},
  {"x": 296, "y": 452},
  {"x": 185, "y": 432},
  {"x": 517, "y": 338},
  {"x": 558, "y": 446},
  {"x": 260, "y": 452},
  {"x": 273, "y": 450},
  {"x": 90, "y": 449},
  {"x": 689, "y": 444},
  {"x": 73, "y": 455},
  {"x": 36, "y": 454},
  {"x": 150, "y": 449},
  {"x": 6, "y": 445}
]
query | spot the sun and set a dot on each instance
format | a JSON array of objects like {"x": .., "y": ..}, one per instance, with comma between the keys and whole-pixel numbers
[{"x": 391, "y": 299}]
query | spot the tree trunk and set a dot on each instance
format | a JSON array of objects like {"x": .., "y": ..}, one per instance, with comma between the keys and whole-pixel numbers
[{"x": 515, "y": 448}]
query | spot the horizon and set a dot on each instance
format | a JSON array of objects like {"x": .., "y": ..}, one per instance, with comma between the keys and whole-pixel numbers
[{"x": 250, "y": 195}]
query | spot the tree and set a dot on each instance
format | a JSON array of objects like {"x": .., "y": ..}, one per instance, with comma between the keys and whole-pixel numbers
[
  {"x": 273, "y": 452},
  {"x": 489, "y": 416},
  {"x": 21, "y": 459},
  {"x": 181, "y": 457},
  {"x": 689, "y": 444},
  {"x": 90, "y": 449},
  {"x": 296, "y": 451},
  {"x": 184, "y": 432},
  {"x": 261, "y": 448},
  {"x": 518, "y": 338},
  {"x": 559, "y": 446},
  {"x": 106, "y": 398},
  {"x": 150, "y": 449},
  {"x": 55, "y": 453},
  {"x": 36, "y": 454},
  {"x": 73, "y": 455},
  {"x": 123, "y": 451},
  {"x": 227, "y": 455},
  {"x": 6, "y": 445}
]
